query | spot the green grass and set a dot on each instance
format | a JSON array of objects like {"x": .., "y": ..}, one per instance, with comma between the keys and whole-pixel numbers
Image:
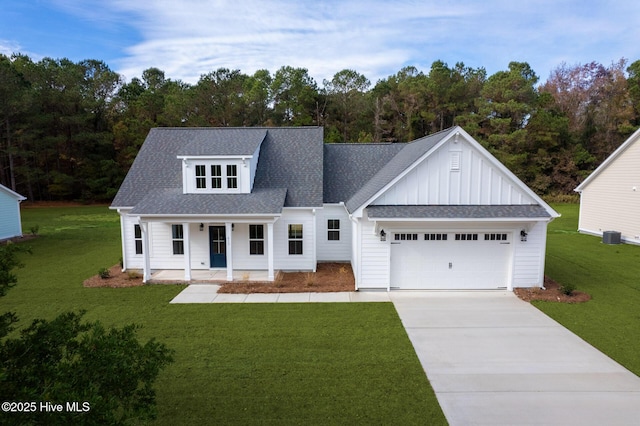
[
  {"x": 610, "y": 274},
  {"x": 234, "y": 363}
]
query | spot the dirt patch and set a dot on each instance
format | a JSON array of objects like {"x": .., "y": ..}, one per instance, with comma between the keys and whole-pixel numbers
[
  {"x": 116, "y": 279},
  {"x": 551, "y": 294},
  {"x": 329, "y": 277}
]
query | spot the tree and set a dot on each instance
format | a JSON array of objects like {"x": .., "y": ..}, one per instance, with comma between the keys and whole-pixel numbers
[
  {"x": 108, "y": 373},
  {"x": 294, "y": 95},
  {"x": 346, "y": 89}
]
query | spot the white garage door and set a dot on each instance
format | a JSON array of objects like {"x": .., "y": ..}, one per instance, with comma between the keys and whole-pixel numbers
[{"x": 450, "y": 260}]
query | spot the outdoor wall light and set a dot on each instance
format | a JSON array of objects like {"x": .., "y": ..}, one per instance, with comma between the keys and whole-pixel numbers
[
  {"x": 523, "y": 235},
  {"x": 201, "y": 227},
  {"x": 383, "y": 235}
]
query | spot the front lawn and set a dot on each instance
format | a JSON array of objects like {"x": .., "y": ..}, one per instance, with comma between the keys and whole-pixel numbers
[
  {"x": 610, "y": 321},
  {"x": 337, "y": 363}
]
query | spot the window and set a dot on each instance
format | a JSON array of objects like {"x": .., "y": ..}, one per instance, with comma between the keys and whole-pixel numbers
[
  {"x": 495, "y": 237},
  {"x": 216, "y": 176},
  {"x": 178, "y": 239},
  {"x": 256, "y": 239},
  {"x": 295, "y": 239},
  {"x": 333, "y": 230},
  {"x": 137, "y": 237},
  {"x": 232, "y": 176},
  {"x": 201, "y": 176},
  {"x": 435, "y": 237},
  {"x": 466, "y": 237},
  {"x": 406, "y": 237}
]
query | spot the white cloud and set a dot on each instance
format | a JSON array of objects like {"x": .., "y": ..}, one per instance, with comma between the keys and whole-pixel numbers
[{"x": 376, "y": 38}]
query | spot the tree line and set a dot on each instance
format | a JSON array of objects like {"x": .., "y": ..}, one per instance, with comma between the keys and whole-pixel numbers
[{"x": 70, "y": 130}]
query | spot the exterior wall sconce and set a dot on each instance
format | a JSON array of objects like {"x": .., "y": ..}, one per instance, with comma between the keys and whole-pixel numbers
[
  {"x": 383, "y": 235},
  {"x": 233, "y": 226},
  {"x": 523, "y": 235},
  {"x": 201, "y": 227}
]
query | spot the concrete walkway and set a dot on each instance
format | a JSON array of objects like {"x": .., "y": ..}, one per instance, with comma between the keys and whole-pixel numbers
[{"x": 491, "y": 358}]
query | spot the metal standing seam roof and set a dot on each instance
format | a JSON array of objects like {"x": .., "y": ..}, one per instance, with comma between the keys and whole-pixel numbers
[
  {"x": 290, "y": 159},
  {"x": 458, "y": 212},
  {"x": 410, "y": 153}
]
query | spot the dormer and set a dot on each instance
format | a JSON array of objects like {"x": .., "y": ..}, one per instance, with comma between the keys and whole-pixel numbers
[{"x": 224, "y": 163}]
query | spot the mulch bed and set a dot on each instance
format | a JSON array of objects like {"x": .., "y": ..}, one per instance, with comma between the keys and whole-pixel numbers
[
  {"x": 329, "y": 277},
  {"x": 551, "y": 294}
]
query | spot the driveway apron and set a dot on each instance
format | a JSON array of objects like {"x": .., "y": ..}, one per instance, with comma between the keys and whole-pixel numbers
[{"x": 493, "y": 359}]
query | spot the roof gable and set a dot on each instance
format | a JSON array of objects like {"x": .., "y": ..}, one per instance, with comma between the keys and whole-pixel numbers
[
  {"x": 447, "y": 168},
  {"x": 11, "y": 193},
  {"x": 392, "y": 169},
  {"x": 611, "y": 160}
]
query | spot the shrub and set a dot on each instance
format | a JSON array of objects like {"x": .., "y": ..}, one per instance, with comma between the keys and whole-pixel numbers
[
  {"x": 568, "y": 289},
  {"x": 35, "y": 229},
  {"x": 104, "y": 273}
]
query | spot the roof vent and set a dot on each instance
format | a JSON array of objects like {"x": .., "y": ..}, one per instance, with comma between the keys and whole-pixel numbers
[{"x": 455, "y": 161}]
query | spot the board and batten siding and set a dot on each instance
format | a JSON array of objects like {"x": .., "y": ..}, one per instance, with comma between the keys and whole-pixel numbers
[
  {"x": 333, "y": 250},
  {"x": 611, "y": 201},
  {"x": 10, "y": 224},
  {"x": 456, "y": 174}
]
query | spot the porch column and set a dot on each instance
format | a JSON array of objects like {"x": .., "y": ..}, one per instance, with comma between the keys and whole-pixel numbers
[
  {"x": 228, "y": 228},
  {"x": 146, "y": 264},
  {"x": 186, "y": 238},
  {"x": 271, "y": 276}
]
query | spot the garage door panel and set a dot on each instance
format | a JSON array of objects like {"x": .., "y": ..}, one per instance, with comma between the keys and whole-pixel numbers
[{"x": 462, "y": 261}]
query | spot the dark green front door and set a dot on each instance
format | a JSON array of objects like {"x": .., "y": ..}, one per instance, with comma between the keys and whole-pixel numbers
[{"x": 218, "y": 246}]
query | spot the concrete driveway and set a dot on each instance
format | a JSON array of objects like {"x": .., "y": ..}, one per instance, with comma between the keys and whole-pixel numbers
[{"x": 493, "y": 359}]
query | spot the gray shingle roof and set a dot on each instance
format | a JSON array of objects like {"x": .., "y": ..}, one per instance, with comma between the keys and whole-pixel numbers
[
  {"x": 290, "y": 159},
  {"x": 406, "y": 157},
  {"x": 348, "y": 166},
  {"x": 174, "y": 202},
  {"x": 457, "y": 212},
  {"x": 223, "y": 141}
]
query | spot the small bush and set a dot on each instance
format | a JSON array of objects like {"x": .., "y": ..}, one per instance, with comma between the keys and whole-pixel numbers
[
  {"x": 567, "y": 289},
  {"x": 104, "y": 273},
  {"x": 35, "y": 229}
]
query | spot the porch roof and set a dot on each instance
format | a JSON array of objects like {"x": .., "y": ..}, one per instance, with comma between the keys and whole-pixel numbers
[
  {"x": 174, "y": 202},
  {"x": 458, "y": 212}
]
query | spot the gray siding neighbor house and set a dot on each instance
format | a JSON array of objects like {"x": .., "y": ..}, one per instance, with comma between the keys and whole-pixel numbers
[{"x": 439, "y": 212}]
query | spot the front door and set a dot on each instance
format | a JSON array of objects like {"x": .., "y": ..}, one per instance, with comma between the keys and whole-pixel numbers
[{"x": 218, "y": 246}]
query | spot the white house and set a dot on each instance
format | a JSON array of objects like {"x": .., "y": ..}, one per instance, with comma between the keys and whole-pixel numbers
[
  {"x": 436, "y": 213},
  {"x": 10, "y": 221},
  {"x": 610, "y": 196}
]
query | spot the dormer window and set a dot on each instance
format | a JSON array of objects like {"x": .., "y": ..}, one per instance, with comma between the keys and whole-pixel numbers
[
  {"x": 216, "y": 176},
  {"x": 201, "y": 176},
  {"x": 232, "y": 176}
]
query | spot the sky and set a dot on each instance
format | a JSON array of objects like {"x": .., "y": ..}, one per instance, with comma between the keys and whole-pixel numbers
[{"x": 377, "y": 38}]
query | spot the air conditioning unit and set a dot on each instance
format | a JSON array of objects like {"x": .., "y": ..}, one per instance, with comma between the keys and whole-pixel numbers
[{"x": 611, "y": 237}]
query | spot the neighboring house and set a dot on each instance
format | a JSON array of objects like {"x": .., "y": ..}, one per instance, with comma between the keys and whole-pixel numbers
[
  {"x": 610, "y": 196},
  {"x": 10, "y": 222},
  {"x": 436, "y": 213}
]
